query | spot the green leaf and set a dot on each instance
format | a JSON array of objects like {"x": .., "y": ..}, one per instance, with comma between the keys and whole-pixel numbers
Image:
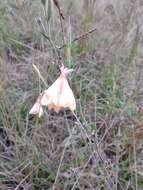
[{"x": 47, "y": 9}]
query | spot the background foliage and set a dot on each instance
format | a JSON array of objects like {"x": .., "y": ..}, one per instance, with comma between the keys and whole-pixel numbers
[{"x": 100, "y": 147}]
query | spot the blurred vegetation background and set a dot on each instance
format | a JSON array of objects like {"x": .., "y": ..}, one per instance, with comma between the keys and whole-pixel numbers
[{"x": 98, "y": 148}]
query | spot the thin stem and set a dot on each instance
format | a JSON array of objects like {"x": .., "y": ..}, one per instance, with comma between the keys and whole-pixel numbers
[
  {"x": 79, "y": 37},
  {"x": 39, "y": 74},
  {"x": 135, "y": 158},
  {"x": 61, "y": 18},
  {"x": 58, "y": 171}
]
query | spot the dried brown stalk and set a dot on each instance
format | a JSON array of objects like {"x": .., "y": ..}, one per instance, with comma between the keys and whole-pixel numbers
[
  {"x": 79, "y": 37},
  {"x": 59, "y": 9}
]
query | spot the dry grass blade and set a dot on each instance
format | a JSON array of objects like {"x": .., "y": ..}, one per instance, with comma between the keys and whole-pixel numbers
[
  {"x": 39, "y": 74},
  {"x": 22, "y": 181}
]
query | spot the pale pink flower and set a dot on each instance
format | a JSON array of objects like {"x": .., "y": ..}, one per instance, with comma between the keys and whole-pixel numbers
[
  {"x": 58, "y": 95},
  {"x": 37, "y": 108}
]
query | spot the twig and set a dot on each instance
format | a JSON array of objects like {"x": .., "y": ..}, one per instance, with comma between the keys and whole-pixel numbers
[
  {"x": 59, "y": 57},
  {"x": 61, "y": 18},
  {"x": 79, "y": 37},
  {"x": 58, "y": 7}
]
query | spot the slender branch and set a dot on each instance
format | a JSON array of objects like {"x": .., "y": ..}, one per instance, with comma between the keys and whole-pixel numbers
[
  {"x": 59, "y": 9},
  {"x": 79, "y": 37},
  {"x": 61, "y": 18}
]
